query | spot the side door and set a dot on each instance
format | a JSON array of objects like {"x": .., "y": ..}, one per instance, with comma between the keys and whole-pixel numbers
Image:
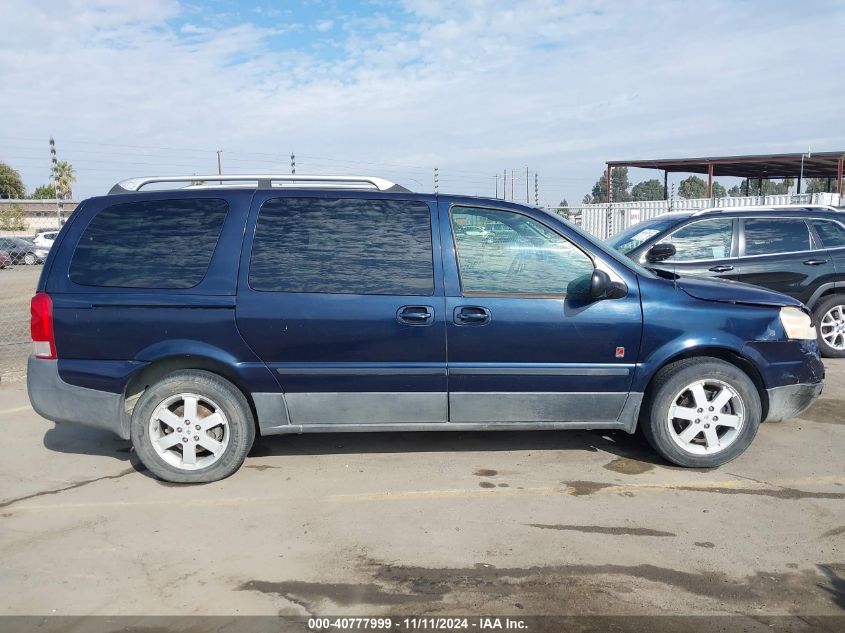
[
  {"x": 342, "y": 298},
  {"x": 831, "y": 236},
  {"x": 782, "y": 254},
  {"x": 705, "y": 247},
  {"x": 525, "y": 342}
]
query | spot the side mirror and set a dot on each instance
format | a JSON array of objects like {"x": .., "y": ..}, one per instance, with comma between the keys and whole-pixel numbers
[
  {"x": 601, "y": 286},
  {"x": 659, "y": 252}
]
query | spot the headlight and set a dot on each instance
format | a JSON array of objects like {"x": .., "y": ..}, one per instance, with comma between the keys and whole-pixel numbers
[{"x": 797, "y": 324}]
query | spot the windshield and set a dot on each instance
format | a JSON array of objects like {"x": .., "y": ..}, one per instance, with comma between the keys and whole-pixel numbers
[{"x": 639, "y": 234}]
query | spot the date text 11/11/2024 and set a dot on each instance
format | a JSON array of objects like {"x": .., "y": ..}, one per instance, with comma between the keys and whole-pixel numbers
[{"x": 418, "y": 624}]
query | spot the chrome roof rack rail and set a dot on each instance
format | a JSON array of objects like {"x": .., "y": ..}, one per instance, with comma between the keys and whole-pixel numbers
[
  {"x": 261, "y": 181},
  {"x": 768, "y": 207}
]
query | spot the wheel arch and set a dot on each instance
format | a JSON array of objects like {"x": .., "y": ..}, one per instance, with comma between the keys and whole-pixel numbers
[
  {"x": 721, "y": 353},
  {"x": 163, "y": 366}
]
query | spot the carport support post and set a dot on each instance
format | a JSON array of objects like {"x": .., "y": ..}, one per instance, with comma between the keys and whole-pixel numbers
[
  {"x": 665, "y": 185},
  {"x": 840, "y": 167},
  {"x": 709, "y": 180}
]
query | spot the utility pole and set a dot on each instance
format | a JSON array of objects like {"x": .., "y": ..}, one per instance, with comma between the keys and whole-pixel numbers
[
  {"x": 527, "y": 200},
  {"x": 512, "y": 189},
  {"x": 54, "y": 164},
  {"x": 436, "y": 179},
  {"x": 292, "y": 163},
  {"x": 536, "y": 190},
  {"x": 504, "y": 184},
  {"x": 219, "y": 163},
  {"x": 497, "y": 185}
]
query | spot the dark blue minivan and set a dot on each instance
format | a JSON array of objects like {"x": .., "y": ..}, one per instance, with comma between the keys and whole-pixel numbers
[{"x": 191, "y": 318}]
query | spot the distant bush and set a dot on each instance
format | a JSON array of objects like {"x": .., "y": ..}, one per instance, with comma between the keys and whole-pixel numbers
[{"x": 12, "y": 218}]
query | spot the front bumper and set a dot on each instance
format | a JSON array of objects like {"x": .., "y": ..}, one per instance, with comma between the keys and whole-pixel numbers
[
  {"x": 56, "y": 400},
  {"x": 792, "y": 400}
]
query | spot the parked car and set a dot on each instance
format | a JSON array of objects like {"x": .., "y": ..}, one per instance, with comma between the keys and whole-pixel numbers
[
  {"x": 5, "y": 259},
  {"x": 23, "y": 251},
  {"x": 265, "y": 309},
  {"x": 45, "y": 239},
  {"x": 797, "y": 250}
]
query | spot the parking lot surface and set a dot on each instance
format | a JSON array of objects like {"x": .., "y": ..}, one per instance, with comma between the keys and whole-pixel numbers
[{"x": 437, "y": 523}]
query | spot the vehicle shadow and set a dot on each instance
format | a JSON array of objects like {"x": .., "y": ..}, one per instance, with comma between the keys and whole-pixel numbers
[
  {"x": 618, "y": 443},
  {"x": 83, "y": 440},
  {"x": 80, "y": 440}
]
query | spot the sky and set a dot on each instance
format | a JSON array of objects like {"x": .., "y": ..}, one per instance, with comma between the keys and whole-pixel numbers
[{"x": 395, "y": 89}]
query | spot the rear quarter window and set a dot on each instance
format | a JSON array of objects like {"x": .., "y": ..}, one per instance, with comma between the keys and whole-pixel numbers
[
  {"x": 153, "y": 244},
  {"x": 832, "y": 234}
]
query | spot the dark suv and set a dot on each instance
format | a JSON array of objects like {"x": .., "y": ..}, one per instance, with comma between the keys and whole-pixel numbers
[
  {"x": 797, "y": 250},
  {"x": 294, "y": 304}
]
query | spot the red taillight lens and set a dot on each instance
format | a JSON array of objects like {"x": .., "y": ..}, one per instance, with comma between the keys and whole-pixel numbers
[{"x": 41, "y": 326}]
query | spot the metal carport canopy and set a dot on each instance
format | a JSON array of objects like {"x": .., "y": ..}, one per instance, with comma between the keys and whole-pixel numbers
[{"x": 817, "y": 165}]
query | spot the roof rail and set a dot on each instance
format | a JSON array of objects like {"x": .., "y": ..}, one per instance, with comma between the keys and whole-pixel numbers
[
  {"x": 261, "y": 181},
  {"x": 767, "y": 207}
]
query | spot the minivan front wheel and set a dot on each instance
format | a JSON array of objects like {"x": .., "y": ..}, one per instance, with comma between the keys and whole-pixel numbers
[
  {"x": 702, "y": 412},
  {"x": 192, "y": 427}
]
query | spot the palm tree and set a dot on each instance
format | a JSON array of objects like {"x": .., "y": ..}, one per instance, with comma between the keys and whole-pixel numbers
[{"x": 64, "y": 176}]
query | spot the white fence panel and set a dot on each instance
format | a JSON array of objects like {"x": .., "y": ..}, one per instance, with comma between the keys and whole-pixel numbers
[{"x": 603, "y": 220}]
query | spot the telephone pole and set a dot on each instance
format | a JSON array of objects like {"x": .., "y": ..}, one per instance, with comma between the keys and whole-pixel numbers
[
  {"x": 536, "y": 190},
  {"x": 436, "y": 179},
  {"x": 527, "y": 200},
  {"x": 497, "y": 185},
  {"x": 292, "y": 163},
  {"x": 504, "y": 184},
  {"x": 512, "y": 186}
]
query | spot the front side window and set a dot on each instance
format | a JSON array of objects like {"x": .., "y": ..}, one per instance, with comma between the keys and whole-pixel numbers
[
  {"x": 705, "y": 239},
  {"x": 516, "y": 255},
  {"x": 831, "y": 233},
  {"x": 764, "y": 236},
  {"x": 343, "y": 246},
  {"x": 154, "y": 244}
]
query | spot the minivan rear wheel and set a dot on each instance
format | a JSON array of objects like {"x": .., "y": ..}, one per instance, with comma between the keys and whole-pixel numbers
[
  {"x": 701, "y": 412},
  {"x": 830, "y": 321},
  {"x": 192, "y": 427}
]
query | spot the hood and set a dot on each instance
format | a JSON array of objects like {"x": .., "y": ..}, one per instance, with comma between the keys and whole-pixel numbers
[{"x": 733, "y": 292}]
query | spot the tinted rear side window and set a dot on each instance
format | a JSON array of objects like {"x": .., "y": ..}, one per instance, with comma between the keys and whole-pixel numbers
[
  {"x": 832, "y": 233},
  {"x": 769, "y": 235},
  {"x": 345, "y": 246},
  {"x": 155, "y": 244}
]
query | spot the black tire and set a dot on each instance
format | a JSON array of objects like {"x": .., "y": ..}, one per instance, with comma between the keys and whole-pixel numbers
[
  {"x": 29, "y": 259},
  {"x": 669, "y": 383},
  {"x": 822, "y": 308},
  {"x": 230, "y": 401}
]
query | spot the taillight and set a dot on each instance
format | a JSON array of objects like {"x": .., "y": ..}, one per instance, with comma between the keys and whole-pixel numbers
[{"x": 41, "y": 326}]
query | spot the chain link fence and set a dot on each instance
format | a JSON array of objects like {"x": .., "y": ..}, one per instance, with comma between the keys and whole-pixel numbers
[{"x": 17, "y": 285}]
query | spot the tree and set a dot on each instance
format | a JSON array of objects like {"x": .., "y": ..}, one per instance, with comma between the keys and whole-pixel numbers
[
  {"x": 817, "y": 185},
  {"x": 648, "y": 190},
  {"x": 44, "y": 192},
  {"x": 770, "y": 187},
  {"x": 563, "y": 205},
  {"x": 12, "y": 218},
  {"x": 719, "y": 190},
  {"x": 11, "y": 185},
  {"x": 692, "y": 187},
  {"x": 64, "y": 176},
  {"x": 620, "y": 182}
]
